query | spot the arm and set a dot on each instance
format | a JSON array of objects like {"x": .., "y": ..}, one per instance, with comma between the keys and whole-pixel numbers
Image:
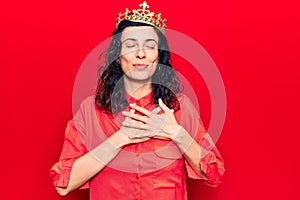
[
  {"x": 190, "y": 149},
  {"x": 91, "y": 163},
  {"x": 87, "y": 165},
  {"x": 203, "y": 160}
]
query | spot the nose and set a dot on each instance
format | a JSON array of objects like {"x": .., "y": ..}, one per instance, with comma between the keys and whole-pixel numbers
[{"x": 140, "y": 53}]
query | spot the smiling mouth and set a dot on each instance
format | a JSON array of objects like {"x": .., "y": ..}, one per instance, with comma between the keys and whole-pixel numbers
[{"x": 140, "y": 66}]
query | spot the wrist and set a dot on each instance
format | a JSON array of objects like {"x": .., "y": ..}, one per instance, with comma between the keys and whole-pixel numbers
[
  {"x": 175, "y": 133},
  {"x": 118, "y": 139},
  {"x": 105, "y": 151},
  {"x": 182, "y": 136}
]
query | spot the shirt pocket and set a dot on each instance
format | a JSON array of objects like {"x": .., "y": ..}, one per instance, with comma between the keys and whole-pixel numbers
[{"x": 169, "y": 165}]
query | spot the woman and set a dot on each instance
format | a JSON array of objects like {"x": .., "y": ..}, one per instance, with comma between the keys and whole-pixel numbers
[{"x": 138, "y": 136}]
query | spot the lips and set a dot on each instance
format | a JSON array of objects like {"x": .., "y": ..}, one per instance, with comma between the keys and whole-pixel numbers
[{"x": 140, "y": 66}]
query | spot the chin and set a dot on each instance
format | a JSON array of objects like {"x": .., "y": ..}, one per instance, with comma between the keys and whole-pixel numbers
[
  {"x": 142, "y": 79},
  {"x": 139, "y": 75}
]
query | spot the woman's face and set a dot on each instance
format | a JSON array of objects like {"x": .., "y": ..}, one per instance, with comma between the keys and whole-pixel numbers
[{"x": 139, "y": 52}]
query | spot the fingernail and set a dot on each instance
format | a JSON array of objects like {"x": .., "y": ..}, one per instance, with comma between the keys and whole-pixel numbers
[{"x": 159, "y": 100}]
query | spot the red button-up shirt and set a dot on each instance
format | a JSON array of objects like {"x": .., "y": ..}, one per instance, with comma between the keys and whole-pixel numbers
[{"x": 154, "y": 169}]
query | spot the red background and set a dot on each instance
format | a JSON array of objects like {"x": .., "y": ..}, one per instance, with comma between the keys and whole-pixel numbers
[{"x": 255, "y": 45}]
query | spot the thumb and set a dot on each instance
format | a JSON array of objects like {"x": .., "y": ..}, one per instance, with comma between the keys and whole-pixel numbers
[
  {"x": 162, "y": 105},
  {"x": 156, "y": 110}
]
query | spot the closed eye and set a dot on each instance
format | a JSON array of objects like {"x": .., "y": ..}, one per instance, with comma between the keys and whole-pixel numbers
[
  {"x": 130, "y": 46},
  {"x": 151, "y": 44}
]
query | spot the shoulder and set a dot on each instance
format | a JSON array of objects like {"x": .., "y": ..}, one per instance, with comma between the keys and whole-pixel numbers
[
  {"x": 188, "y": 106},
  {"x": 89, "y": 108},
  {"x": 88, "y": 102},
  {"x": 184, "y": 100},
  {"x": 84, "y": 108}
]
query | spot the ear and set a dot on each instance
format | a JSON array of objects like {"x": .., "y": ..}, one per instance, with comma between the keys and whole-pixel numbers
[{"x": 118, "y": 61}]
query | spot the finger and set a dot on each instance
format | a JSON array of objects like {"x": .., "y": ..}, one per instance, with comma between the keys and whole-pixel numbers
[
  {"x": 161, "y": 138},
  {"x": 127, "y": 118},
  {"x": 132, "y": 111},
  {"x": 163, "y": 106},
  {"x": 136, "y": 117},
  {"x": 142, "y": 134},
  {"x": 128, "y": 122},
  {"x": 139, "y": 133},
  {"x": 156, "y": 110},
  {"x": 141, "y": 137},
  {"x": 140, "y": 109},
  {"x": 138, "y": 140},
  {"x": 135, "y": 125}
]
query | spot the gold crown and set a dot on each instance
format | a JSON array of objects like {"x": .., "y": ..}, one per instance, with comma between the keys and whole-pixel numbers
[{"x": 144, "y": 16}]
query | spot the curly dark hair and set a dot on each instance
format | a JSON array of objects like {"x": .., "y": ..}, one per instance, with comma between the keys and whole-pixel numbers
[{"x": 165, "y": 83}]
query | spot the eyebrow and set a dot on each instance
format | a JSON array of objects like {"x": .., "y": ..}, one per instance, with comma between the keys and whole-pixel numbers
[{"x": 133, "y": 39}]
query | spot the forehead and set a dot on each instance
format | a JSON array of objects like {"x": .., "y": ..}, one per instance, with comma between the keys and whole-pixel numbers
[{"x": 139, "y": 33}]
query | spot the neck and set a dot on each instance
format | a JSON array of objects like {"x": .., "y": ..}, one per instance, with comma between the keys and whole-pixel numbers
[{"x": 137, "y": 89}]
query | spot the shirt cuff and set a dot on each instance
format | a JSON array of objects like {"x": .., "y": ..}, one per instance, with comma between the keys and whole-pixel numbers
[
  {"x": 212, "y": 170},
  {"x": 60, "y": 174}
]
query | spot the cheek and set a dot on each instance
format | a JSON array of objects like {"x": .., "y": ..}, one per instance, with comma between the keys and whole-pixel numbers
[
  {"x": 153, "y": 57},
  {"x": 125, "y": 63}
]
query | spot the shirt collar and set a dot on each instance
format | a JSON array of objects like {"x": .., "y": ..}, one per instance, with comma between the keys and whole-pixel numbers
[{"x": 143, "y": 101}]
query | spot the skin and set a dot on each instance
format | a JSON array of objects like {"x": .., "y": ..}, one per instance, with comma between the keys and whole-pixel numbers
[{"x": 139, "y": 45}]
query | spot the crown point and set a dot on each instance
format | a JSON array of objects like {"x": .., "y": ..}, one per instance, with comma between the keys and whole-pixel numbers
[{"x": 143, "y": 15}]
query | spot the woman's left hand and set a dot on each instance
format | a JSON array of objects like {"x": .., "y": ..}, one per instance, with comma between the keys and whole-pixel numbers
[{"x": 158, "y": 123}]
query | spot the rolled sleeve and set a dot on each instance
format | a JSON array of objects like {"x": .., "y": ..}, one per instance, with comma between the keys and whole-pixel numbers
[
  {"x": 73, "y": 148},
  {"x": 211, "y": 163}
]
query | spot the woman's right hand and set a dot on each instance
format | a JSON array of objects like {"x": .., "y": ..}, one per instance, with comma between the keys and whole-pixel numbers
[
  {"x": 124, "y": 137},
  {"x": 133, "y": 132}
]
